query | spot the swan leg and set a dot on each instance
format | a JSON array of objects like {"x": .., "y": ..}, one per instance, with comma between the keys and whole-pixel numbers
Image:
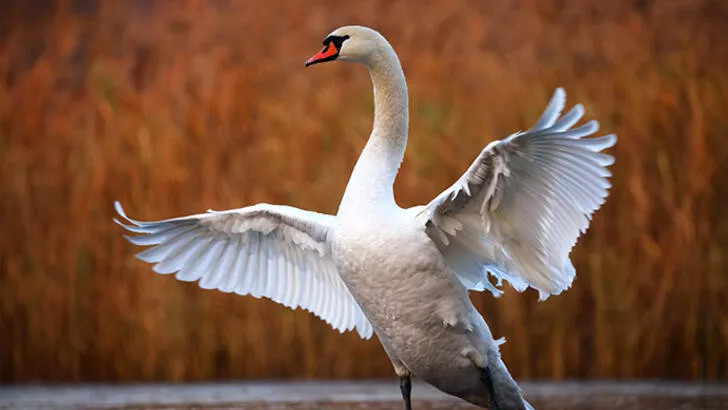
[{"x": 405, "y": 385}]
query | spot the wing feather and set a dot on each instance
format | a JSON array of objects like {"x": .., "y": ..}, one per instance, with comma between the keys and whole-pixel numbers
[
  {"x": 175, "y": 260},
  {"x": 277, "y": 252},
  {"x": 520, "y": 207}
]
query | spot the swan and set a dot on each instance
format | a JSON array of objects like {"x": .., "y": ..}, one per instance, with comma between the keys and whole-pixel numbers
[{"x": 404, "y": 274}]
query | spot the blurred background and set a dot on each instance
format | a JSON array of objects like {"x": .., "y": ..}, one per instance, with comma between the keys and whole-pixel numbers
[{"x": 177, "y": 107}]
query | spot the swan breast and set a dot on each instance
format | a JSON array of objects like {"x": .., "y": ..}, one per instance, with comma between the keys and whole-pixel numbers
[{"x": 400, "y": 279}]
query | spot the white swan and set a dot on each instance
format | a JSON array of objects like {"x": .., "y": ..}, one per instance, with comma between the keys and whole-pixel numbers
[{"x": 405, "y": 273}]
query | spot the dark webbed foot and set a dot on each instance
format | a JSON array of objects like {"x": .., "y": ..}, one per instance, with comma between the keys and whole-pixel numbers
[{"x": 405, "y": 385}]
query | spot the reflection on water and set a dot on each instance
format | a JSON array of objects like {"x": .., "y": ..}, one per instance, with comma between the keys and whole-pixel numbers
[
  {"x": 560, "y": 403},
  {"x": 375, "y": 395},
  {"x": 633, "y": 403},
  {"x": 564, "y": 403}
]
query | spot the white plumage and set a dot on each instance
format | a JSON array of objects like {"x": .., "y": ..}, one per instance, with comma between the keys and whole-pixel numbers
[
  {"x": 278, "y": 252},
  {"x": 520, "y": 207},
  {"x": 404, "y": 273}
]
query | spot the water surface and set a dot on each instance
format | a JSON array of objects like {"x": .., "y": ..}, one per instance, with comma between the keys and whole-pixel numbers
[{"x": 351, "y": 395}]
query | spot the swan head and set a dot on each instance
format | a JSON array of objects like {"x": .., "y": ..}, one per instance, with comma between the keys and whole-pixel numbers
[{"x": 349, "y": 43}]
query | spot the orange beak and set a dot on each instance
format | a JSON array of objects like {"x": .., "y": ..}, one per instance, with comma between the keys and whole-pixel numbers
[{"x": 328, "y": 53}]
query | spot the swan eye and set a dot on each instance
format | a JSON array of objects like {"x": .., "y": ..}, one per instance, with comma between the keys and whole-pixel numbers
[{"x": 337, "y": 40}]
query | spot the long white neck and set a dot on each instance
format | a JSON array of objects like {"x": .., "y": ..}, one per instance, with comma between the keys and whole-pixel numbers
[{"x": 371, "y": 184}]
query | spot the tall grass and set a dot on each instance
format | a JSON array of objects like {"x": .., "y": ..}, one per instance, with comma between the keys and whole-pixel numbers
[{"x": 177, "y": 107}]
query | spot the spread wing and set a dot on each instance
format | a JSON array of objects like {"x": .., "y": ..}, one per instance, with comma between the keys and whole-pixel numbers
[
  {"x": 520, "y": 207},
  {"x": 278, "y": 252}
]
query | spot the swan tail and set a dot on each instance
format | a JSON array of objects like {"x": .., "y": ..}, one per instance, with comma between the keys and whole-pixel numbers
[{"x": 504, "y": 392}]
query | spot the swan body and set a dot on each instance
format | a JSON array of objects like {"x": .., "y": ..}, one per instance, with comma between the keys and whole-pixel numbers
[{"x": 404, "y": 274}]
